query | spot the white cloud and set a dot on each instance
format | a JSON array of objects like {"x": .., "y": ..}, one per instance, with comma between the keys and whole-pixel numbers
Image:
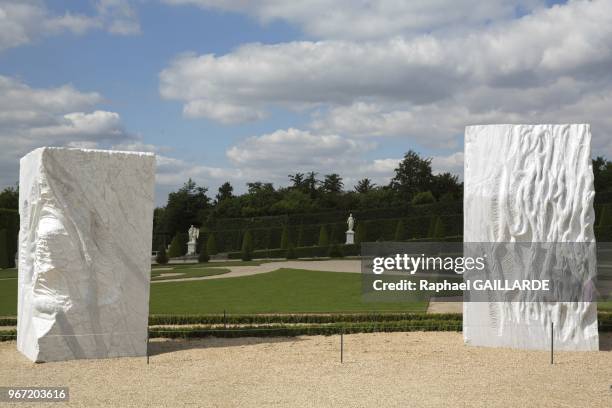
[
  {"x": 547, "y": 59},
  {"x": 548, "y": 66},
  {"x": 271, "y": 157},
  {"x": 294, "y": 148},
  {"x": 452, "y": 163},
  {"x": 61, "y": 116},
  {"x": 120, "y": 17},
  {"x": 24, "y": 21},
  {"x": 349, "y": 19}
]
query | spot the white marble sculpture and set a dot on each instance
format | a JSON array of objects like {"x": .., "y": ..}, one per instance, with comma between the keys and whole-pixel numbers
[
  {"x": 194, "y": 234},
  {"x": 529, "y": 183},
  {"x": 84, "y": 253},
  {"x": 350, "y": 234}
]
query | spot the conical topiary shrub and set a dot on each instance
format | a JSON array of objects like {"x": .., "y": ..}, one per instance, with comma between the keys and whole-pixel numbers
[
  {"x": 247, "y": 246},
  {"x": 175, "y": 249},
  {"x": 399, "y": 231},
  {"x": 203, "y": 255},
  {"x": 323, "y": 236},
  {"x": 211, "y": 244},
  {"x": 162, "y": 257}
]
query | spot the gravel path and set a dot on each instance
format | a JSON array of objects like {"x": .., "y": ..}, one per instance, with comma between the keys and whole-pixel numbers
[
  {"x": 347, "y": 265},
  {"x": 380, "y": 370}
]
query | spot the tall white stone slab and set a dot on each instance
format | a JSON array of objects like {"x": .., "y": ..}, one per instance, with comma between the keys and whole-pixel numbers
[
  {"x": 84, "y": 253},
  {"x": 529, "y": 183}
]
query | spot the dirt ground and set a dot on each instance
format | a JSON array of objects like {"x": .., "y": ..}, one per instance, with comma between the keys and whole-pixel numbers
[{"x": 382, "y": 370}]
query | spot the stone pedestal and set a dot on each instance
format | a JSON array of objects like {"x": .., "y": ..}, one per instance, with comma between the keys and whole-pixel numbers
[
  {"x": 350, "y": 237},
  {"x": 529, "y": 183},
  {"x": 84, "y": 253},
  {"x": 191, "y": 248}
]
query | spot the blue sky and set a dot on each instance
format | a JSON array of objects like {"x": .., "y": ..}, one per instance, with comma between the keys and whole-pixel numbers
[{"x": 244, "y": 91}]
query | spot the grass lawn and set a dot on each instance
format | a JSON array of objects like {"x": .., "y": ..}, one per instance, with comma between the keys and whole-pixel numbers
[
  {"x": 282, "y": 291},
  {"x": 8, "y": 292}
]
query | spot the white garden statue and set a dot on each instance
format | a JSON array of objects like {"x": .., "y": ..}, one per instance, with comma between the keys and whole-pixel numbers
[
  {"x": 350, "y": 234},
  {"x": 194, "y": 234}
]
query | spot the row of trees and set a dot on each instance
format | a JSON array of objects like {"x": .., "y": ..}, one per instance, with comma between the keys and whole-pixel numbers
[
  {"x": 413, "y": 181},
  {"x": 306, "y": 192}
]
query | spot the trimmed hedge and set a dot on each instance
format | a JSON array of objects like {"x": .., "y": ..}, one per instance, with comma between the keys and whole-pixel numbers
[
  {"x": 304, "y": 229},
  {"x": 300, "y": 252},
  {"x": 603, "y": 234},
  {"x": 369, "y": 230},
  {"x": 3, "y": 250},
  {"x": 310, "y": 318},
  {"x": 304, "y": 330},
  {"x": 9, "y": 220}
]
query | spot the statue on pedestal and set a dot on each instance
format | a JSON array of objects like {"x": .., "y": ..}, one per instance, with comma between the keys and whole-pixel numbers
[{"x": 350, "y": 234}]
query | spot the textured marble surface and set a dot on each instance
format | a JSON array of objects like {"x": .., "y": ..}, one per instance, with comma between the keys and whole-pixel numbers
[
  {"x": 529, "y": 183},
  {"x": 84, "y": 253}
]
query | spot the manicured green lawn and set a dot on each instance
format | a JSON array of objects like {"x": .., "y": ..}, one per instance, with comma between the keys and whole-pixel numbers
[
  {"x": 605, "y": 306},
  {"x": 8, "y": 292},
  {"x": 282, "y": 291},
  {"x": 8, "y": 273}
]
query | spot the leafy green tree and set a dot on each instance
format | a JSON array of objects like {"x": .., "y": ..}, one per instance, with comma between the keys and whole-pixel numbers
[
  {"x": 413, "y": 175},
  {"x": 293, "y": 201},
  {"x": 9, "y": 198},
  {"x": 297, "y": 181},
  {"x": 225, "y": 192},
  {"x": 4, "y": 261},
  {"x": 424, "y": 197},
  {"x": 259, "y": 198},
  {"x": 211, "y": 244},
  {"x": 311, "y": 184},
  {"x": 364, "y": 186},
  {"x": 602, "y": 172},
  {"x": 247, "y": 246},
  {"x": 323, "y": 236},
  {"x": 399, "y": 231},
  {"x": 360, "y": 233},
  {"x": 203, "y": 255},
  {"x": 332, "y": 184},
  {"x": 285, "y": 239},
  {"x": 445, "y": 184},
  {"x": 185, "y": 207},
  {"x": 162, "y": 257}
]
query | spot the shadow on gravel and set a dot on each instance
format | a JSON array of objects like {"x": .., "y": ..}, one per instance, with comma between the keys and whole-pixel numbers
[{"x": 162, "y": 346}]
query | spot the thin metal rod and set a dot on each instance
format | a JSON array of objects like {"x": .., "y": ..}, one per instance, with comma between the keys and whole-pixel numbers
[
  {"x": 342, "y": 346},
  {"x": 552, "y": 343},
  {"x": 224, "y": 320},
  {"x": 147, "y": 346}
]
